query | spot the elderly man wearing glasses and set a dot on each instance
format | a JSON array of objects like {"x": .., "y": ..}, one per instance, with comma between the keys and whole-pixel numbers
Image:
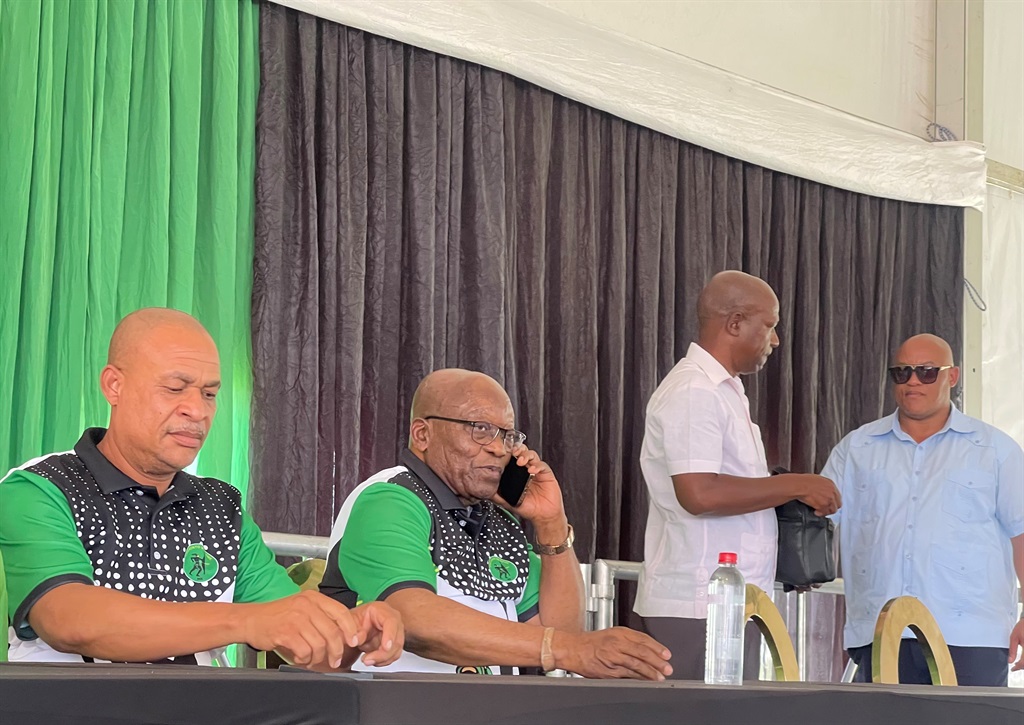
[
  {"x": 934, "y": 509},
  {"x": 434, "y": 539}
]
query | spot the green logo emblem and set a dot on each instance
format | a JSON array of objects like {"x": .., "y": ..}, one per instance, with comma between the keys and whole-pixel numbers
[
  {"x": 502, "y": 570},
  {"x": 198, "y": 564}
]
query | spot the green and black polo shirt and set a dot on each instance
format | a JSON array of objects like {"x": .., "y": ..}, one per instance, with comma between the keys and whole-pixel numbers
[
  {"x": 74, "y": 517},
  {"x": 404, "y": 527}
]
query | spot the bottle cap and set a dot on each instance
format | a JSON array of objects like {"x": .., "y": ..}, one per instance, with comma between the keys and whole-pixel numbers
[{"x": 727, "y": 557}]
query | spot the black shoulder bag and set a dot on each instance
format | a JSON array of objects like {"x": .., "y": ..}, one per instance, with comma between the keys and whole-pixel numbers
[{"x": 805, "y": 545}]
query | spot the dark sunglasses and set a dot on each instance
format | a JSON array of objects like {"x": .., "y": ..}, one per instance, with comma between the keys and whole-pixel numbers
[{"x": 927, "y": 374}]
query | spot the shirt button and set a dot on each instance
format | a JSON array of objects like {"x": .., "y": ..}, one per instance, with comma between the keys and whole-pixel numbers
[
  {"x": 913, "y": 498},
  {"x": 909, "y": 556},
  {"x": 910, "y": 526}
]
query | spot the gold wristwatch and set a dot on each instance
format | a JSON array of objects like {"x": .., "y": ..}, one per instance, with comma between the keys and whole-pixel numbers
[{"x": 546, "y": 550}]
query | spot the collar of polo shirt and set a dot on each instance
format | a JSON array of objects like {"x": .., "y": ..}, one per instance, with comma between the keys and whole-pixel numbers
[
  {"x": 444, "y": 495},
  {"x": 111, "y": 479}
]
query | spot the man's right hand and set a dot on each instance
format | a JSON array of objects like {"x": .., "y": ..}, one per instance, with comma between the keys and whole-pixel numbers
[
  {"x": 819, "y": 493},
  {"x": 615, "y": 652},
  {"x": 308, "y": 628}
]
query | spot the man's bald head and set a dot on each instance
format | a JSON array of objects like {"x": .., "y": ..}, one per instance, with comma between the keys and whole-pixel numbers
[
  {"x": 925, "y": 405},
  {"x": 729, "y": 292},
  {"x": 452, "y": 388},
  {"x": 738, "y": 314},
  {"x": 454, "y": 414},
  {"x": 924, "y": 348},
  {"x": 161, "y": 380},
  {"x": 139, "y": 330}
]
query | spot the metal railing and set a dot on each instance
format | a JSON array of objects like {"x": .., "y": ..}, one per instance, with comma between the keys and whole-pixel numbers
[
  {"x": 608, "y": 572},
  {"x": 599, "y": 581},
  {"x": 308, "y": 547}
]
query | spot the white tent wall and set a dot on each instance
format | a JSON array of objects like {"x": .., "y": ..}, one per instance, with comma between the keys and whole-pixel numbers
[
  {"x": 1004, "y": 82},
  {"x": 874, "y": 59},
  {"x": 1002, "y": 351},
  {"x": 1002, "y": 278}
]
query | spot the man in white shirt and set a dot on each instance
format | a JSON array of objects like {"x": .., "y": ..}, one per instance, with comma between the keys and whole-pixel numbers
[{"x": 704, "y": 464}]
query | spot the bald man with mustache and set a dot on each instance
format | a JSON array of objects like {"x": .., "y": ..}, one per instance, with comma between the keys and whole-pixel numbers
[
  {"x": 433, "y": 537},
  {"x": 934, "y": 510},
  {"x": 112, "y": 552},
  {"x": 704, "y": 465}
]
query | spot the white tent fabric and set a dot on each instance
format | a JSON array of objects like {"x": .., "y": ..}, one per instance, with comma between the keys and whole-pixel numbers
[
  {"x": 676, "y": 96},
  {"x": 1002, "y": 325},
  {"x": 1004, "y": 82},
  {"x": 875, "y": 60}
]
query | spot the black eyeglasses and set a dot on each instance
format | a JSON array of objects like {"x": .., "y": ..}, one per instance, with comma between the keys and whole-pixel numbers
[
  {"x": 927, "y": 374},
  {"x": 484, "y": 432}
]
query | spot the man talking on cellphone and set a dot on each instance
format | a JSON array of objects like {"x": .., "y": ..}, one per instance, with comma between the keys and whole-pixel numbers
[{"x": 434, "y": 538}]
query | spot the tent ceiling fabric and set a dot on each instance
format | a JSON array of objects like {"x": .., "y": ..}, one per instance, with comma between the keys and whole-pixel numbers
[{"x": 677, "y": 96}]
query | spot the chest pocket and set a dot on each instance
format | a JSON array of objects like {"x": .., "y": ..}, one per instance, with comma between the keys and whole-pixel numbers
[
  {"x": 747, "y": 446},
  {"x": 870, "y": 492},
  {"x": 758, "y": 443},
  {"x": 969, "y": 496}
]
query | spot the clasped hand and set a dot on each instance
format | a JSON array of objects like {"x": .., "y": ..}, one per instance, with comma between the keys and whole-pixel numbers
[{"x": 313, "y": 630}]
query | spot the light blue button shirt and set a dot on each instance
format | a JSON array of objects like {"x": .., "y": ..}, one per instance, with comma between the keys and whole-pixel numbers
[{"x": 932, "y": 520}]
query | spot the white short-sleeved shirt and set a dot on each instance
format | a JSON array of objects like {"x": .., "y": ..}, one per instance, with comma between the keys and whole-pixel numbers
[{"x": 698, "y": 421}]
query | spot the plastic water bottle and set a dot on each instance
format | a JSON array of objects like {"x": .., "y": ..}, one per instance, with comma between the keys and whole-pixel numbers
[{"x": 727, "y": 595}]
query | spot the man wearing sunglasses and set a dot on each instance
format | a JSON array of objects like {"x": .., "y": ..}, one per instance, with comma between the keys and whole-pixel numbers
[
  {"x": 434, "y": 539},
  {"x": 934, "y": 509}
]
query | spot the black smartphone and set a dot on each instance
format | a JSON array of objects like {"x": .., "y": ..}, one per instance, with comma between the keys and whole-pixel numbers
[{"x": 513, "y": 482}]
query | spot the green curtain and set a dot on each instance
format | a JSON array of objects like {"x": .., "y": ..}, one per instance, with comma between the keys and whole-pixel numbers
[{"x": 126, "y": 181}]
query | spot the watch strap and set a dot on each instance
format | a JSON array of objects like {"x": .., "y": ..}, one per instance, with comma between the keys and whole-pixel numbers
[{"x": 546, "y": 550}]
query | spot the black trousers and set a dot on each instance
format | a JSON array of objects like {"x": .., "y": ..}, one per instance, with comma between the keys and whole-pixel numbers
[
  {"x": 975, "y": 666},
  {"x": 686, "y": 639}
]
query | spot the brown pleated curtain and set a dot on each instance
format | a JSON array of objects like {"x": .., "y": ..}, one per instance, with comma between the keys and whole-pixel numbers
[{"x": 414, "y": 212}]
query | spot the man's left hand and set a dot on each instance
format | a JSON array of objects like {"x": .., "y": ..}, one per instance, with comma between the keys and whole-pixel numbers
[
  {"x": 542, "y": 500},
  {"x": 1017, "y": 644},
  {"x": 381, "y": 633}
]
